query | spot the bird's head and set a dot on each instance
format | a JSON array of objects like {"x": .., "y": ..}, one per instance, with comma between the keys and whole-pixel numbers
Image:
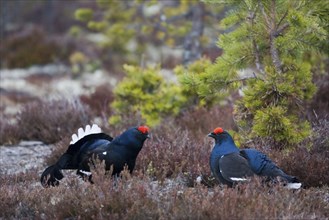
[
  {"x": 143, "y": 130},
  {"x": 216, "y": 133},
  {"x": 134, "y": 135},
  {"x": 219, "y": 134}
]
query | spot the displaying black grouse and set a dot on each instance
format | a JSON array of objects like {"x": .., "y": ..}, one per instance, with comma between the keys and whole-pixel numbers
[
  {"x": 230, "y": 165},
  {"x": 92, "y": 143}
]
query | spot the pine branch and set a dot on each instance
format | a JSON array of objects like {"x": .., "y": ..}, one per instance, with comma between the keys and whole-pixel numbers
[{"x": 228, "y": 82}]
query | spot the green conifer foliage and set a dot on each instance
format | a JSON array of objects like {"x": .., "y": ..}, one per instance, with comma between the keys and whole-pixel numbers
[
  {"x": 270, "y": 38},
  {"x": 191, "y": 79},
  {"x": 146, "y": 93}
]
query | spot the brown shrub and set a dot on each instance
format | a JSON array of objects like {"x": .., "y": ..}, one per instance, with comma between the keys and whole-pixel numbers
[
  {"x": 28, "y": 47},
  {"x": 157, "y": 191},
  {"x": 46, "y": 121},
  {"x": 9, "y": 133},
  {"x": 309, "y": 161},
  {"x": 201, "y": 121},
  {"x": 320, "y": 102},
  {"x": 99, "y": 101},
  {"x": 138, "y": 197},
  {"x": 173, "y": 151},
  {"x": 311, "y": 166}
]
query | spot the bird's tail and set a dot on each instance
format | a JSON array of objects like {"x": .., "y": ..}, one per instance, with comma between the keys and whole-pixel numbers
[
  {"x": 89, "y": 134},
  {"x": 292, "y": 181},
  {"x": 52, "y": 175}
]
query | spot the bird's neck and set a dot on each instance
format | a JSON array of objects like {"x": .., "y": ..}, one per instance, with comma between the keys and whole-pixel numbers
[
  {"x": 224, "y": 147},
  {"x": 130, "y": 144}
]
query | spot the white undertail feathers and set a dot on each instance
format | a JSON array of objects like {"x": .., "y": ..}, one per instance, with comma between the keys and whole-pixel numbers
[
  {"x": 294, "y": 185},
  {"x": 94, "y": 129}
]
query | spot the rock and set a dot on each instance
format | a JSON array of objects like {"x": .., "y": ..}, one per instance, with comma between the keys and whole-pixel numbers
[{"x": 23, "y": 157}]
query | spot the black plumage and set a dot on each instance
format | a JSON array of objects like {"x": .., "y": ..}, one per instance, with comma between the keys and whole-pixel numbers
[
  {"x": 118, "y": 152},
  {"x": 230, "y": 165}
]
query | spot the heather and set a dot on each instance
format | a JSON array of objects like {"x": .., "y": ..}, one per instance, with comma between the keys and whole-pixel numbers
[
  {"x": 258, "y": 69},
  {"x": 140, "y": 196},
  {"x": 164, "y": 186}
]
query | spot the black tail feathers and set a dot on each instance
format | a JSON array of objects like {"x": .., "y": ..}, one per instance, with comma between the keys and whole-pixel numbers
[
  {"x": 69, "y": 160},
  {"x": 51, "y": 176},
  {"x": 290, "y": 179}
]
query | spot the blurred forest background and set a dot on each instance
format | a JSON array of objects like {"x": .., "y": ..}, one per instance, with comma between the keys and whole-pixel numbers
[
  {"x": 183, "y": 67},
  {"x": 161, "y": 59}
]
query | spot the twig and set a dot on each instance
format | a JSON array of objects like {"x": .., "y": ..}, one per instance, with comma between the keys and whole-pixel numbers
[
  {"x": 283, "y": 17},
  {"x": 281, "y": 29},
  {"x": 238, "y": 80}
]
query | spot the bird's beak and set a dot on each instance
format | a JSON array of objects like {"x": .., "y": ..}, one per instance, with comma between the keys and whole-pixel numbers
[
  {"x": 211, "y": 135},
  {"x": 148, "y": 136}
]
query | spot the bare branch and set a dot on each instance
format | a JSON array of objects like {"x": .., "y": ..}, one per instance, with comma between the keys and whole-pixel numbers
[
  {"x": 281, "y": 29},
  {"x": 273, "y": 15},
  {"x": 223, "y": 82},
  {"x": 283, "y": 17},
  {"x": 243, "y": 79}
]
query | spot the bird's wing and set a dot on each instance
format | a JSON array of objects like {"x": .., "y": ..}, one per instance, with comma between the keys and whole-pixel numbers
[
  {"x": 96, "y": 149},
  {"x": 260, "y": 163},
  {"x": 82, "y": 147},
  {"x": 264, "y": 166},
  {"x": 88, "y": 143},
  {"x": 234, "y": 168}
]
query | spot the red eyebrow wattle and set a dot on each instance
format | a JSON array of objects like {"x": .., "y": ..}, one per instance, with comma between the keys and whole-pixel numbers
[
  {"x": 144, "y": 129},
  {"x": 218, "y": 130}
]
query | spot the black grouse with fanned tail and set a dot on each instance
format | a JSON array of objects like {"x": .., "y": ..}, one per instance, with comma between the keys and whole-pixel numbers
[
  {"x": 231, "y": 165},
  {"x": 92, "y": 143}
]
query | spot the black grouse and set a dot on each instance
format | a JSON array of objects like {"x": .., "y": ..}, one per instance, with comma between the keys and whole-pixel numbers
[
  {"x": 230, "y": 165},
  {"x": 92, "y": 143}
]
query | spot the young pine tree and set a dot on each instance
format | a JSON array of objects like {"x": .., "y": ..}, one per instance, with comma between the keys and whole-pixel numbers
[
  {"x": 264, "y": 54},
  {"x": 145, "y": 93}
]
